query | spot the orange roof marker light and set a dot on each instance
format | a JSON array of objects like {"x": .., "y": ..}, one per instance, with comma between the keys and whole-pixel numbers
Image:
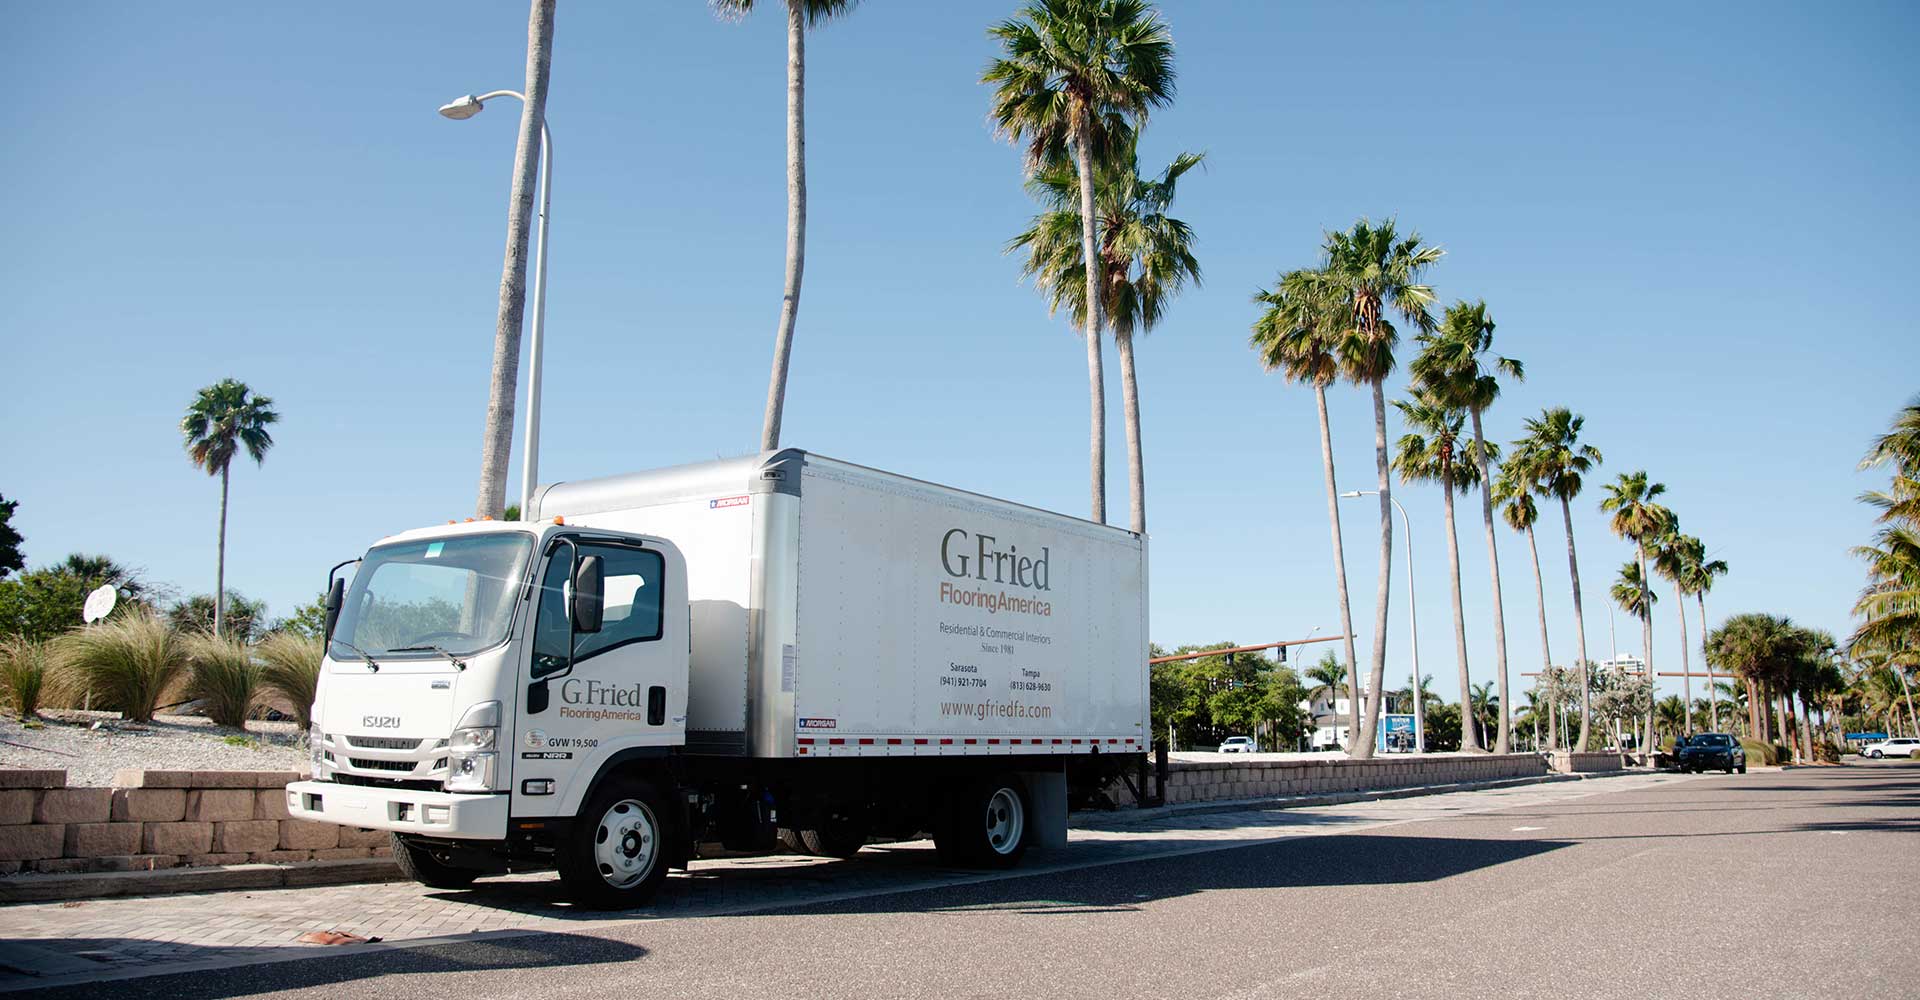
[{"x": 559, "y": 520}]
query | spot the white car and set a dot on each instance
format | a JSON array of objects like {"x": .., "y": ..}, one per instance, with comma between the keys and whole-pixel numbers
[
  {"x": 1899, "y": 746},
  {"x": 1239, "y": 744}
]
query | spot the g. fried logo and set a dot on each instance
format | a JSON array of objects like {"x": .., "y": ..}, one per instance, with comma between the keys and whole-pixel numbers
[
  {"x": 536, "y": 738},
  {"x": 986, "y": 562}
]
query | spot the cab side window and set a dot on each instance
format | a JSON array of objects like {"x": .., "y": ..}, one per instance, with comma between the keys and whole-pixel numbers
[{"x": 634, "y": 579}]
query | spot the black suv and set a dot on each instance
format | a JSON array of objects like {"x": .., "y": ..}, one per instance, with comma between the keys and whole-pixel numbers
[{"x": 1712, "y": 750}]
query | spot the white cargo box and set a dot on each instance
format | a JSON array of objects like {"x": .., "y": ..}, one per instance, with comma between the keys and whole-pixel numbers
[{"x": 841, "y": 610}]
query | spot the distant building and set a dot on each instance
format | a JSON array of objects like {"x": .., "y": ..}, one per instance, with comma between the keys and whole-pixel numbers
[
  {"x": 1625, "y": 663},
  {"x": 1330, "y": 720}
]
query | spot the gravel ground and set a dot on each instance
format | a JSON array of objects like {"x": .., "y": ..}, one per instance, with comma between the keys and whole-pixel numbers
[{"x": 91, "y": 746}]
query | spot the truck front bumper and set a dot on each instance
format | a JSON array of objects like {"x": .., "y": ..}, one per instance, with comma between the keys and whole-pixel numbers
[{"x": 432, "y": 814}]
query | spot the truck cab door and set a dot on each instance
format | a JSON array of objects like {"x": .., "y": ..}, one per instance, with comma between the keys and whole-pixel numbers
[{"x": 589, "y": 698}]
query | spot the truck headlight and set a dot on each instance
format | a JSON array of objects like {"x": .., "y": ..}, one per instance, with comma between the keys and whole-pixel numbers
[{"x": 470, "y": 752}]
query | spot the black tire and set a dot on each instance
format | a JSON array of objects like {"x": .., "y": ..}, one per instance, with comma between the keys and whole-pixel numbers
[
  {"x": 1743, "y": 767},
  {"x": 1729, "y": 767},
  {"x": 986, "y": 823},
  {"x": 792, "y": 841},
  {"x": 418, "y": 863},
  {"x": 1875, "y": 754},
  {"x": 840, "y": 837},
  {"x": 625, "y": 823}
]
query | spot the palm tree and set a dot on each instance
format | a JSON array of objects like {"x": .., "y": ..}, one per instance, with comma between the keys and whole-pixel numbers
[
  {"x": 222, "y": 419},
  {"x": 1560, "y": 463},
  {"x": 1431, "y": 451},
  {"x": 1698, "y": 577},
  {"x": 497, "y": 440},
  {"x": 1671, "y": 713},
  {"x": 1757, "y": 648},
  {"x": 1070, "y": 75},
  {"x": 1457, "y": 363},
  {"x": 1299, "y": 333},
  {"x": 1638, "y": 519},
  {"x": 1675, "y": 556},
  {"x": 1514, "y": 490},
  {"x": 1328, "y": 675},
  {"x": 1376, "y": 269},
  {"x": 1146, "y": 258},
  {"x": 1484, "y": 702},
  {"x": 801, "y": 16},
  {"x": 1890, "y": 605},
  {"x": 1634, "y": 596}
]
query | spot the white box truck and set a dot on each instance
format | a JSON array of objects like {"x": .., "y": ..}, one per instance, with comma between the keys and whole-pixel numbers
[{"x": 779, "y": 648}]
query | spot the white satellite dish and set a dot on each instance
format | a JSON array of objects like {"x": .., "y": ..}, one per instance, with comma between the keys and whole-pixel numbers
[{"x": 99, "y": 603}]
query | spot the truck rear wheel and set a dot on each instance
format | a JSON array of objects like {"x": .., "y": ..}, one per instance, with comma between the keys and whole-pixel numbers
[
  {"x": 616, "y": 853},
  {"x": 417, "y": 862},
  {"x": 985, "y": 825}
]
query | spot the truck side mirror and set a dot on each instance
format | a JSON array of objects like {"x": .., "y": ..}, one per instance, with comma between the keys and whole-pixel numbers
[
  {"x": 589, "y": 593},
  {"x": 336, "y": 596}
]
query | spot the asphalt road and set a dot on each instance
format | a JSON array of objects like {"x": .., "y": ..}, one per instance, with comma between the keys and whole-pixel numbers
[{"x": 1757, "y": 885}]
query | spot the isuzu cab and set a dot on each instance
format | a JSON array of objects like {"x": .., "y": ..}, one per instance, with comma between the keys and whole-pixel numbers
[{"x": 778, "y": 652}]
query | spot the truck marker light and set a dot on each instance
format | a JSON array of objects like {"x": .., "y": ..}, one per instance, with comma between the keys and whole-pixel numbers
[
  {"x": 836, "y": 741},
  {"x": 866, "y": 741},
  {"x": 990, "y": 743},
  {"x": 972, "y": 742},
  {"x": 1058, "y": 742},
  {"x": 920, "y": 742},
  {"x": 806, "y": 741},
  {"x": 536, "y": 786},
  {"x": 559, "y": 520},
  {"x": 893, "y": 742},
  {"x": 946, "y": 743},
  {"x": 1076, "y": 742}
]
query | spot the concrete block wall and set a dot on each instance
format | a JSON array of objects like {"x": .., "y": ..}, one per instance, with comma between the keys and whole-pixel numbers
[
  {"x": 163, "y": 819},
  {"x": 1193, "y": 781},
  {"x": 1568, "y": 762}
]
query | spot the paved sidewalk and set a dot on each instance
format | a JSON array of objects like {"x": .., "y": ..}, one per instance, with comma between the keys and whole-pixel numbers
[{"x": 48, "y": 944}]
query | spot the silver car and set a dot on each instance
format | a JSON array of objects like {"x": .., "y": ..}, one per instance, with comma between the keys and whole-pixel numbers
[
  {"x": 1239, "y": 744},
  {"x": 1899, "y": 746}
]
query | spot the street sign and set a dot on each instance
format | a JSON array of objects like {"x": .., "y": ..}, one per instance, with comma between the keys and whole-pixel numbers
[{"x": 99, "y": 603}]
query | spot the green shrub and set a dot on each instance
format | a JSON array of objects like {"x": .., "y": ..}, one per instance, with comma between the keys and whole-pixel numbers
[
  {"x": 1758, "y": 752},
  {"x": 290, "y": 666},
  {"x": 26, "y": 675},
  {"x": 226, "y": 679},
  {"x": 127, "y": 664}
]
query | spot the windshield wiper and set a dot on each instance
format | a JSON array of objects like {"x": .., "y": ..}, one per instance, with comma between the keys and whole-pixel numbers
[
  {"x": 371, "y": 665},
  {"x": 458, "y": 663}
]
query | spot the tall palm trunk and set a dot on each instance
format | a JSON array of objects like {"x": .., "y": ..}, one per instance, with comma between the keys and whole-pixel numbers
[
  {"x": 1753, "y": 710},
  {"x": 1362, "y": 741},
  {"x": 497, "y": 440},
  {"x": 1469, "y": 717},
  {"x": 1713, "y": 693},
  {"x": 1646, "y": 643},
  {"x": 1579, "y": 630},
  {"x": 1686, "y": 661},
  {"x": 796, "y": 222},
  {"x": 1546, "y": 652},
  {"x": 1130, "y": 406},
  {"x": 1340, "y": 566},
  {"x": 1504, "y": 741},
  {"x": 220, "y": 571},
  {"x": 1089, "y": 248}
]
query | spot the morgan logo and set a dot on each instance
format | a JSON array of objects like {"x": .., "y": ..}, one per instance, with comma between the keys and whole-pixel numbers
[
  {"x": 536, "y": 738},
  {"x": 380, "y": 721},
  {"x": 819, "y": 723},
  {"x": 728, "y": 502}
]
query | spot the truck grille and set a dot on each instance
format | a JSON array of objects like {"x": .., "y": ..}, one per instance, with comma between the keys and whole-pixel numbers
[
  {"x": 381, "y": 743},
  {"x": 367, "y": 764}
]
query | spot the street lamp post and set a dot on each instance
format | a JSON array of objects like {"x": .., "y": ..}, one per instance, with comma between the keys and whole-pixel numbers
[
  {"x": 1413, "y": 622},
  {"x": 460, "y": 110}
]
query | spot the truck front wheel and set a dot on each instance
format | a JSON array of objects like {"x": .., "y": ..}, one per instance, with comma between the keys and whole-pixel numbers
[
  {"x": 616, "y": 853},
  {"x": 418, "y": 863},
  {"x": 985, "y": 825}
]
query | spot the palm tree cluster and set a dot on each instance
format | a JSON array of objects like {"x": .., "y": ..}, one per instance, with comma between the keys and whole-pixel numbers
[
  {"x": 1887, "y": 642},
  {"x": 1786, "y": 669}
]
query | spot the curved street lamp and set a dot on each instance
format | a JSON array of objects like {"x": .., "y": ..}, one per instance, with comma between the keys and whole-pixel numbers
[{"x": 461, "y": 109}]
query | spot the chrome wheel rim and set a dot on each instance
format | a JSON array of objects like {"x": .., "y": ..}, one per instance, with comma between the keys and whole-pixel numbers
[
  {"x": 1006, "y": 821},
  {"x": 626, "y": 843}
]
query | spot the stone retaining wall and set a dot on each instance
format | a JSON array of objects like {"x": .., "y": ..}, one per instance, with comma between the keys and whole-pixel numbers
[
  {"x": 1567, "y": 762},
  {"x": 1195, "y": 781},
  {"x": 163, "y": 819}
]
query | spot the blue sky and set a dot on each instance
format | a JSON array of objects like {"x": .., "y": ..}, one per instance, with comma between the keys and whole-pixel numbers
[{"x": 1690, "y": 221}]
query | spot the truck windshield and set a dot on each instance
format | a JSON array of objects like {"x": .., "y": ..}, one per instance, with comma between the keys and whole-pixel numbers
[{"x": 456, "y": 593}]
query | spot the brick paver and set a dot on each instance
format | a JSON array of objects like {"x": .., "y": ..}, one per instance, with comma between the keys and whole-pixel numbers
[{"x": 44, "y": 944}]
